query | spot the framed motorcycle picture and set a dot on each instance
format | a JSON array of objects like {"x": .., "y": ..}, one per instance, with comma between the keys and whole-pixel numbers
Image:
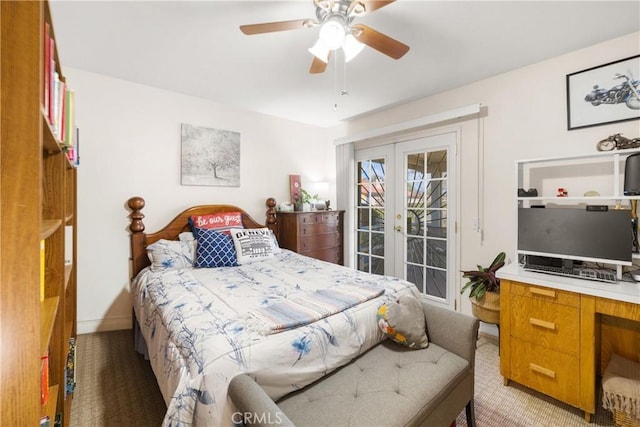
[{"x": 604, "y": 94}]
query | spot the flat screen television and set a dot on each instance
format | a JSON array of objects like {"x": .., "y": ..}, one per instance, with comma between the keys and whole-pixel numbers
[{"x": 576, "y": 234}]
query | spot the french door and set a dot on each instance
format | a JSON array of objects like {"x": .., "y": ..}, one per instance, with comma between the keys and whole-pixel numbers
[{"x": 405, "y": 213}]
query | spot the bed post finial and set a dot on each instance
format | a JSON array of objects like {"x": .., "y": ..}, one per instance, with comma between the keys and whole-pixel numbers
[
  {"x": 136, "y": 204},
  {"x": 272, "y": 221}
]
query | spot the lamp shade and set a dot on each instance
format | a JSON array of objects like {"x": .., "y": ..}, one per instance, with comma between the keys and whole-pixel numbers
[
  {"x": 351, "y": 47},
  {"x": 332, "y": 33},
  {"x": 320, "y": 51}
]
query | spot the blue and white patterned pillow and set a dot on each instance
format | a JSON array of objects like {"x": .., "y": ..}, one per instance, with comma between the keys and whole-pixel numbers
[
  {"x": 167, "y": 254},
  {"x": 215, "y": 249}
]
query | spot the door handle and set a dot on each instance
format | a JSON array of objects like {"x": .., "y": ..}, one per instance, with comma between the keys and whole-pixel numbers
[{"x": 398, "y": 228}]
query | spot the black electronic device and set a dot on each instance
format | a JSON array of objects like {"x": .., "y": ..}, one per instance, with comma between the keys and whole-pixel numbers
[
  {"x": 576, "y": 234},
  {"x": 597, "y": 208},
  {"x": 632, "y": 175}
]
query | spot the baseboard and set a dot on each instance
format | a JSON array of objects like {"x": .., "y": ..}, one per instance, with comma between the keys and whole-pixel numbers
[
  {"x": 489, "y": 337},
  {"x": 104, "y": 325}
]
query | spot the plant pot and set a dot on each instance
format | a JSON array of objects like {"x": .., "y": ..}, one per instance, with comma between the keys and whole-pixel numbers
[{"x": 488, "y": 308}]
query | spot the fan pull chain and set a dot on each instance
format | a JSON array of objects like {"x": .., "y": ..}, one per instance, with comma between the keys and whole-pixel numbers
[{"x": 344, "y": 90}]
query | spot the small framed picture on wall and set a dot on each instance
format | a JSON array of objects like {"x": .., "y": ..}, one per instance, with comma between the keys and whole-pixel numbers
[
  {"x": 607, "y": 93},
  {"x": 294, "y": 188}
]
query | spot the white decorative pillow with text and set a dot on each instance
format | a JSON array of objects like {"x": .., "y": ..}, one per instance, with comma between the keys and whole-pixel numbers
[{"x": 253, "y": 244}]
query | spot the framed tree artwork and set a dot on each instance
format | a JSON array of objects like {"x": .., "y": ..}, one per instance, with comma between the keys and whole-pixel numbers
[
  {"x": 209, "y": 157},
  {"x": 604, "y": 94}
]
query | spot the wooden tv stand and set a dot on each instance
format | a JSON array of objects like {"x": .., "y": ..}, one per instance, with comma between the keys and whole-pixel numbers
[{"x": 557, "y": 333}]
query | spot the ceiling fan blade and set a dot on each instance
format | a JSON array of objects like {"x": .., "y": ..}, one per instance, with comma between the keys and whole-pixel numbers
[
  {"x": 380, "y": 42},
  {"x": 373, "y": 5},
  {"x": 318, "y": 65},
  {"x": 269, "y": 27}
]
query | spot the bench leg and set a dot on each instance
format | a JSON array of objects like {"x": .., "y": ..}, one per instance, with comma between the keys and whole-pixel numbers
[{"x": 471, "y": 417}]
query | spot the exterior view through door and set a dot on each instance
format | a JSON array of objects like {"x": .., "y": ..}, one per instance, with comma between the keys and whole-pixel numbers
[{"x": 405, "y": 212}]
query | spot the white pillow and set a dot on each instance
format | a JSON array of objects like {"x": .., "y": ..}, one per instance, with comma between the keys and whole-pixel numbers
[
  {"x": 186, "y": 236},
  {"x": 168, "y": 254},
  {"x": 253, "y": 244}
]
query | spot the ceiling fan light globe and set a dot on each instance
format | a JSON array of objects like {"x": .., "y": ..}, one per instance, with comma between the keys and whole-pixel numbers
[
  {"x": 351, "y": 47},
  {"x": 332, "y": 34},
  {"x": 320, "y": 51}
]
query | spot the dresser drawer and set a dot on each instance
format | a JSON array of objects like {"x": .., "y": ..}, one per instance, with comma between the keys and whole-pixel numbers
[
  {"x": 328, "y": 254},
  {"x": 320, "y": 241},
  {"x": 548, "y": 324},
  {"x": 319, "y": 228},
  {"x": 546, "y": 294},
  {"x": 329, "y": 217},
  {"x": 550, "y": 372}
]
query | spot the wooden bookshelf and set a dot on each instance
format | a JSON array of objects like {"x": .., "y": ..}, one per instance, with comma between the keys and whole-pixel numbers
[{"x": 38, "y": 191}]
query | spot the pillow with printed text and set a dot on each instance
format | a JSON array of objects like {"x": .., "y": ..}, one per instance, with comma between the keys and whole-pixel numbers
[
  {"x": 222, "y": 222},
  {"x": 253, "y": 244}
]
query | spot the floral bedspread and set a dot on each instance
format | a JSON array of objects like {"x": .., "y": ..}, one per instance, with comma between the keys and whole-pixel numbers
[{"x": 201, "y": 329}]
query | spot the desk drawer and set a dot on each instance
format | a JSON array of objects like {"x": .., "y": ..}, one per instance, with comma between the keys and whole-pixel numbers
[
  {"x": 320, "y": 241},
  {"x": 550, "y": 372},
  {"x": 550, "y": 325},
  {"x": 546, "y": 294}
]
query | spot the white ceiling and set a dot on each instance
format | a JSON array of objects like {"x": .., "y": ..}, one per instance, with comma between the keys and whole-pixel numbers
[{"x": 196, "y": 48}]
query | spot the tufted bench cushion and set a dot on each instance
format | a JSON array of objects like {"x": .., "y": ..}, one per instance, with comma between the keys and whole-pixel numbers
[
  {"x": 386, "y": 383},
  {"x": 389, "y": 385}
]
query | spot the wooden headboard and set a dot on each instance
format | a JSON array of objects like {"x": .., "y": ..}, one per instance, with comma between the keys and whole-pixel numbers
[{"x": 140, "y": 240}]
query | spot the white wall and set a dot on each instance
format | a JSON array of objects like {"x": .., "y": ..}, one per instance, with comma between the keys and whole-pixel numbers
[
  {"x": 526, "y": 118},
  {"x": 130, "y": 146}
]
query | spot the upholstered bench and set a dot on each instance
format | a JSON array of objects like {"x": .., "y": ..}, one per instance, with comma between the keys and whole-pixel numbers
[{"x": 389, "y": 385}]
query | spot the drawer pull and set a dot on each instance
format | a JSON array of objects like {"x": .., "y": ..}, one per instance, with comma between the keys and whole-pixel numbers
[
  {"x": 544, "y": 371},
  {"x": 542, "y": 292},
  {"x": 542, "y": 323}
]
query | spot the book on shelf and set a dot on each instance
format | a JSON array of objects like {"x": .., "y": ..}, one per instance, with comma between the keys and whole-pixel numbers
[
  {"x": 42, "y": 269},
  {"x": 52, "y": 69},
  {"x": 62, "y": 110},
  {"x": 73, "y": 151},
  {"x": 47, "y": 67},
  {"x": 44, "y": 380},
  {"x": 68, "y": 245},
  {"x": 70, "y": 370},
  {"x": 69, "y": 118}
]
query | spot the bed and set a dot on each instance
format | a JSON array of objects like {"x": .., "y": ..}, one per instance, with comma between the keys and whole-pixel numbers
[{"x": 285, "y": 320}]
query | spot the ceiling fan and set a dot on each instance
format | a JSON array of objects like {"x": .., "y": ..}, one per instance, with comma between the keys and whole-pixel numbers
[{"x": 337, "y": 30}]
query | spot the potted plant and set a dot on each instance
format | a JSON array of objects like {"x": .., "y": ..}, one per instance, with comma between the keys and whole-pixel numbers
[
  {"x": 303, "y": 203},
  {"x": 484, "y": 290}
]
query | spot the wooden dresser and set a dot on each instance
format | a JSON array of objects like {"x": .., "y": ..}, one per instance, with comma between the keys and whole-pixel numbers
[{"x": 317, "y": 234}]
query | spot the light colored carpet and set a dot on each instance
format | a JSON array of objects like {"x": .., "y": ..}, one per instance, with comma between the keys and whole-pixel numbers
[
  {"x": 514, "y": 405},
  {"x": 116, "y": 387}
]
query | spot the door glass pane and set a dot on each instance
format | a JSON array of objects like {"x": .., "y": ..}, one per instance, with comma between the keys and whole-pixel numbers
[
  {"x": 436, "y": 253},
  {"x": 371, "y": 215},
  {"x": 436, "y": 223},
  {"x": 436, "y": 282},
  {"x": 415, "y": 250},
  {"x": 415, "y": 222},
  {"x": 363, "y": 242},
  {"x": 415, "y": 276},
  {"x": 377, "y": 265},
  {"x": 377, "y": 244}
]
